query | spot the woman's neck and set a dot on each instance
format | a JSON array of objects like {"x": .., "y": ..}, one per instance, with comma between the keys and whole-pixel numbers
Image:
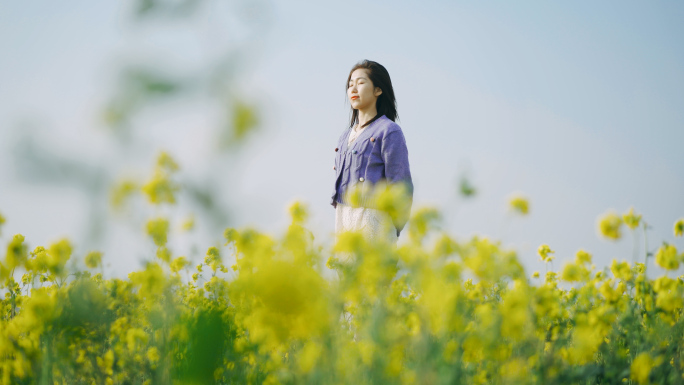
[{"x": 366, "y": 115}]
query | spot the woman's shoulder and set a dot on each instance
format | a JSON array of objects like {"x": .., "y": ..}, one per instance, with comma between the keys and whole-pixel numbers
[
  {"x": 344, "y": 134},
  {"x": 388, "y": 126}
]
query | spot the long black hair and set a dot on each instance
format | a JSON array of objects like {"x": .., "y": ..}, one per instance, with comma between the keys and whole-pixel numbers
[{"x": 386, "y": 103}]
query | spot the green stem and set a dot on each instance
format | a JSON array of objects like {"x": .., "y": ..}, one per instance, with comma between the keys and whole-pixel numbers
[
  {"x": 635, "y": 247},
  {"x": 645, "y": 247}
]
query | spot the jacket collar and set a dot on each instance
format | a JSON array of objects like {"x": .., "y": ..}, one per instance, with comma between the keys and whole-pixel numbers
[{"x": 365, "y": 133}]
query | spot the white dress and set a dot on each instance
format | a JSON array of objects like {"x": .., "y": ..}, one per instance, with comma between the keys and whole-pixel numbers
[{"x": 373, "y": 223}]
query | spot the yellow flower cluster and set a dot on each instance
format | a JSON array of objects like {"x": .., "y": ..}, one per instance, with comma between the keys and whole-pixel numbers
[
  {"x": 435, "y": 309},
  {"x": 610, "y": 225},
  {"x": 161, "y": 188},
  {"x": 545, "y": 252},
  {"x": 519, "y": 204},
  {"x": 678, "y": 227}
]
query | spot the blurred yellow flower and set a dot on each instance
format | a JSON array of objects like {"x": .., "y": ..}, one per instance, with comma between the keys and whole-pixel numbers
[
  {"x": 299, "y": 213},
  {"x": 572, "y": 273},
  {"x": 106, "y": 362},
  {"x": 679, "y": 228},
  {"x": 519, "y": 204},
  {"x": 58, "y": 255},
  {"x": 189, "y": 223},
  {"x": 135, "y": 338},
  {"x": 631, "y": 219},
  {"x": 17, "y": 252},
  {"x": 160, "y": 189},
  {"x": 158, "y": 229},
  {"x": 121, "y": 191},
  {"x": 179, "y": 264},
  {"x": 621, "y": 270},
  {"x": 544, "y": 252},
  {"x": 166, "y": 163},
  {"x": 153, "y": 355},
  {"x": 669, "y": 301},
  {"x": 582, "y": 257},
  {"x": 93, "y": 259},
  {"x": 667, "y": 257},
  {"x": 309, "y": 355},
  {"x": 2, "y": 222},
  {"x": 164, "y": 254},
  {"x": 151, "y": 280},
  {"x": 279, "y": 318},
  {"x": 213, "y": 258},
  {"x": 609, "y": 225},
  {"x": 641, "y": 368}
]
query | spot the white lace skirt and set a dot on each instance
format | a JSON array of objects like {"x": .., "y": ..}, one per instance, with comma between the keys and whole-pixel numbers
[{"x": 374, "y": 224}]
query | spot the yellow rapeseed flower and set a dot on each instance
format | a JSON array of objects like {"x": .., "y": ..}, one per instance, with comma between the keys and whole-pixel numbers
[
  {"x": 551, "y": 278},
  {"x": 153, "y": 355},
  {"x": 166, "y": 163},
  {"x": 93, "y": 259},
  {"x": 164, "y": 254},
  {"x": 179, "y": 264},
  {"x": 298, "y": 212},
  {"x": 121, "y": 191},
  {"x": 609, "y": 225},
  {"x": 519, "y": 204},
  {"x": 621, "y": 270},
  {"x": 189, "y": 223},
  {"x": 585, "y": 342},
  {"x": 2, "y": 222},
  {"x": 135, "y": 338},
  {"x": 572, "y": 273},
  {"x": 667, "y": 257},
  {"x": 160, "y": 189},
  {"x": 289, "y": 301},
  {"x": 422, "y": 220},
  {"x": 679, "y": 228},
  {"x": 17, "y": 252},
  {"x": 670, "y": 301},
  {"x": 213, "y": 258},
  {"x": 609, "y": 293},
  {"x": 641, "y": 368},
  {"x": 544, "y": 251},
  {"x": 663, "y": 284},
  {"x": 151, "y": 280},
  {"x": 308, "y": 356},
  {"x": 515, "y": 371},
  {"x": 158, "y": 229},
  {"x": 58, "y": 255},
  {"x": 106, "y": 362},
  {"x": 631, "y": 219},
  {"x": 582, "y": 257}
]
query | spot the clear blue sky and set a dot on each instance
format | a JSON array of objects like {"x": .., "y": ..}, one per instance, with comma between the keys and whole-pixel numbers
[{"x": 578, "y": 105}]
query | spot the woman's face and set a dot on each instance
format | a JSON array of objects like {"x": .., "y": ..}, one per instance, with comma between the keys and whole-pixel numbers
[{"x": 360, "y": 90}]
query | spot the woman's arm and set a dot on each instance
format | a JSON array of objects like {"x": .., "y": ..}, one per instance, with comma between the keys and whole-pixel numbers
[{"x": 397, "y": 170}]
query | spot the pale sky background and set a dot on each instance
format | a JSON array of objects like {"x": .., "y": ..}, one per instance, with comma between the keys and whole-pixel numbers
[{"x": 577, "y": 105}]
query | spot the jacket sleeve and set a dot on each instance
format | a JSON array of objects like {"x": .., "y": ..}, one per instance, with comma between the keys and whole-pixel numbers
[{"x": 397, "y": 170}]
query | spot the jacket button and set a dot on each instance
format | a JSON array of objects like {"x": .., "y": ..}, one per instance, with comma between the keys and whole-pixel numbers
[
  {"x": 372, "y": 139},
  {"x": 361, "y": 179},
  {"x": 354, "y": 152},
  {"x": 336, "y": 149},
  {"x": 334, "y": 168}
]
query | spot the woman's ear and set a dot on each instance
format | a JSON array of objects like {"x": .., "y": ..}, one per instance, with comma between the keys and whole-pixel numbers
[{"x": 376, "y": 91}]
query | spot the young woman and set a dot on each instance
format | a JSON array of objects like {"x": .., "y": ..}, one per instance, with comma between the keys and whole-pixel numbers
[{"x": 371, "y": 150}]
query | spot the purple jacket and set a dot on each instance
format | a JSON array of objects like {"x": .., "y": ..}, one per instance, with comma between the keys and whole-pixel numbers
[{"x": 379, "y": 152}]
